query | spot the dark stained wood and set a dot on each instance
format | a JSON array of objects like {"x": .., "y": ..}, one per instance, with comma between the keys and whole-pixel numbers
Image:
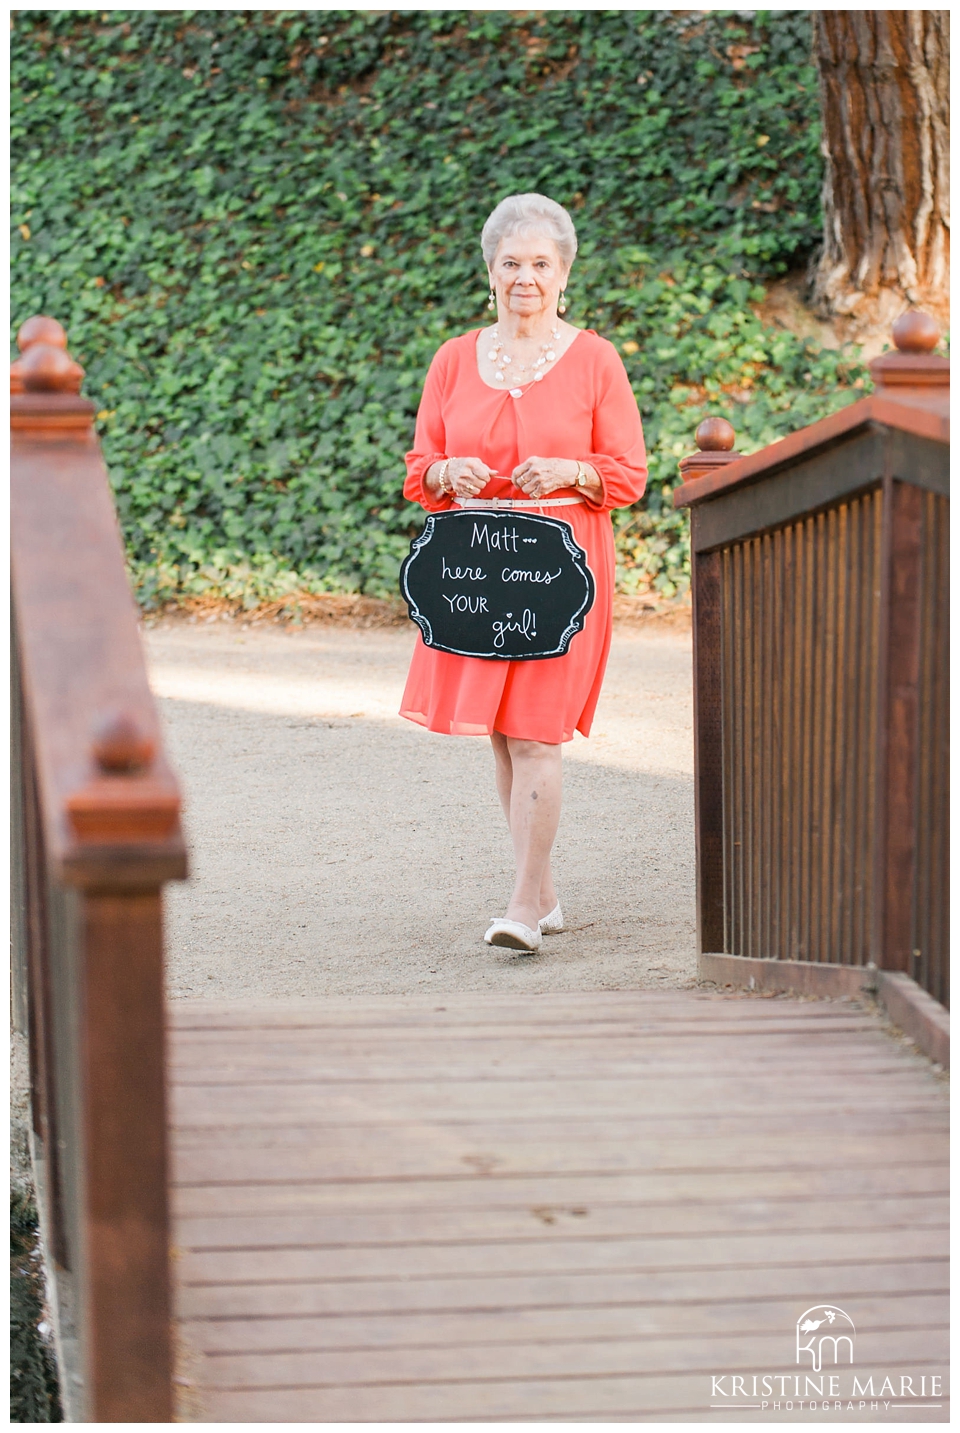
[
  {"x": 708, "y": 771},
  {"x": 19, "y": 913},
  {"x": 35, "y": 958},
  {"x": 97, "y": 834},
  {"x": 41, "y": 329},
  {"x": 824, "y": 557},
  {"x": 715, "y": 435},
  {"x": 919, "y": 461},
  {"x": 912, "y": 363},
  {"x": 810, "y": 485},
  {"x": 370, "y": 1232},
  {"x": 925, "y": 416},
  {"x": 48, "y": 368},
  {"x": 80, "y": 654},
  {"x": 899, "y": 716},
  {"x": 930, "y": 945},
  {"x": 127, "y": 1292},
  {"x": 798, "y": 616},
  {"x": 715, "y": 438}
]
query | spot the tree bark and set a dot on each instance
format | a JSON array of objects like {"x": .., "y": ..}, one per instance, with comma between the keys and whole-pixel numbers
[{"x": 884, "y": 90}]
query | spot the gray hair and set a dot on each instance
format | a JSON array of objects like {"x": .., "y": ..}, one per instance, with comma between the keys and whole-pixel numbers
[{"x": 523, "y": 215}]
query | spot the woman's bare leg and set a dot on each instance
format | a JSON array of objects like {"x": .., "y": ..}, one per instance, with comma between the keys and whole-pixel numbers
[
  {"x": 503, "y": 748},
  {"x": 535, "y": 797},
  {"x": 504, "y": 770}
]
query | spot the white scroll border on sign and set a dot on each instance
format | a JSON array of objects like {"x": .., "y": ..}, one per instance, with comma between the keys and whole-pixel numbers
[{"x": 570, "y": 631}]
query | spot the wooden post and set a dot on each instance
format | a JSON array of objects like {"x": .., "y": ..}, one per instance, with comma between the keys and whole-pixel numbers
[
  {"x": 708, "y": 752},
  {"x": 715, "y": 439},
  {"x": 899, "y": 722},
  {"x": 101, "y": 837},
  {"x": 909, "y": 371},
  {"x": 126, "y": 1305}
]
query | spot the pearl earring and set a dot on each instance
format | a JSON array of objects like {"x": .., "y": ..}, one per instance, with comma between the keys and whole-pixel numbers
[
  {"x": 562, "y": 305},
  {"x": 492, "y": 301}
]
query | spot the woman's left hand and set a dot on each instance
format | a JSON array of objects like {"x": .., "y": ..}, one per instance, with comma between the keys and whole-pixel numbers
[{"x": 539, "y": 476}]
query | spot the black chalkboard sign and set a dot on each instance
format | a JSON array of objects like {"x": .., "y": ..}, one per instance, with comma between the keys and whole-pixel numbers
[{"x": 496, "y": 583}]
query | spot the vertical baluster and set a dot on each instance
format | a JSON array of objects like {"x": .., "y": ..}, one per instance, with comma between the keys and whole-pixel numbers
[{"x": 715, "y": 439}]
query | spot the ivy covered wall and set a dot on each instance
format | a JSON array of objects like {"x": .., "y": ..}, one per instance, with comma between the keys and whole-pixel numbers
[{"x": 257, "y": 227}]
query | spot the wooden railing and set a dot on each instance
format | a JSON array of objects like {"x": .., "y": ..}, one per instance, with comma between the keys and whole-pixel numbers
[
  {"x": 820, "y": 585},
  {"x": 96, "y": 834}
]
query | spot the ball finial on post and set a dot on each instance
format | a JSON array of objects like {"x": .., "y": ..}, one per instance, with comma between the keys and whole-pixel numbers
[
  {"x": 916, "y": 332},
  {"x": 46, "y": 368},
  {"x": 44, "y": 365},
  {"x": 120, "y": 745},
  {"x": 715, "y": 435},
  {"x": 912, "y": 368},
  {"x": 41, "y": 329},
  {"x": 715, "y": 438}
]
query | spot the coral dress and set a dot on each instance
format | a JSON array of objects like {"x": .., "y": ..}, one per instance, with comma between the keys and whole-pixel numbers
[{"x": 583, "y": 409}]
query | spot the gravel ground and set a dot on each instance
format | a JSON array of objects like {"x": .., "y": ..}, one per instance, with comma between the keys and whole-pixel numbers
[{"x": 337, "y": 849}]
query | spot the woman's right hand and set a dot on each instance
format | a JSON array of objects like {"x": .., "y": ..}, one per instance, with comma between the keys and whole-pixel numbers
[{"x": 467, "y": 476}]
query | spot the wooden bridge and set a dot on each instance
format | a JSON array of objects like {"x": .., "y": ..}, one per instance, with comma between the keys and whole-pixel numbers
[
  {"x": 560, "y": 1207},
  {"x": 610, "y": 1206}
]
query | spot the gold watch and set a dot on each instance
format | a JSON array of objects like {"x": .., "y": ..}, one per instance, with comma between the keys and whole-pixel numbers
[{"x": 582, "y": 479}]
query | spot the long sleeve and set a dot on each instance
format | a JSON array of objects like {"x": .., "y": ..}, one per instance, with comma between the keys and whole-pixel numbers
[
  {"x": 430, "y": 439},
  {"x": 619, "y": 456}
]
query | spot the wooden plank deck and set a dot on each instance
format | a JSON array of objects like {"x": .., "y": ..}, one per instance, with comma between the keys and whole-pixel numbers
[{"x": 571, "y": 1207}]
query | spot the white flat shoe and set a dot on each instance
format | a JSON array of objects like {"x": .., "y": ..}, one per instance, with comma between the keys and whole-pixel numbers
[
  {"x": 552, "y": 924},
  {"x": 514, "y": 935}
]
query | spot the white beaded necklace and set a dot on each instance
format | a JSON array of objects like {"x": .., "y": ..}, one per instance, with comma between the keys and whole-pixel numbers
[{"x": 500, "y": 358}]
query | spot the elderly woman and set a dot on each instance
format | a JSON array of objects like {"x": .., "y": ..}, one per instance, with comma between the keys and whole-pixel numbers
[{"x": 539, "y": 412}]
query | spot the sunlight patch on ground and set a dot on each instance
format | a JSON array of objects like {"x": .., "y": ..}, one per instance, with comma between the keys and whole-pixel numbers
[
  {"x": 651, "y": 739},
  {"x": 272, "y": 695}
]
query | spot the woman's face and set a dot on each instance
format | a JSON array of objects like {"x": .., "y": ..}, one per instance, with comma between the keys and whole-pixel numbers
[{"x": 527, "y": 275}]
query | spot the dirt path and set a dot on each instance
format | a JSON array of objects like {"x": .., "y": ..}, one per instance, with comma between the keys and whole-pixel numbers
[{"x": 337, "y": 849}]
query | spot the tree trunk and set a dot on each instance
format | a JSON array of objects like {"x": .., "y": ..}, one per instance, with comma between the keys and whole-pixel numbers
[{"x": 884, "y": 89}]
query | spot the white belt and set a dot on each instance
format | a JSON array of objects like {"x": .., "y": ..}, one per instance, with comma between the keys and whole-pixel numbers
[{"x": 515, "y": 502}]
